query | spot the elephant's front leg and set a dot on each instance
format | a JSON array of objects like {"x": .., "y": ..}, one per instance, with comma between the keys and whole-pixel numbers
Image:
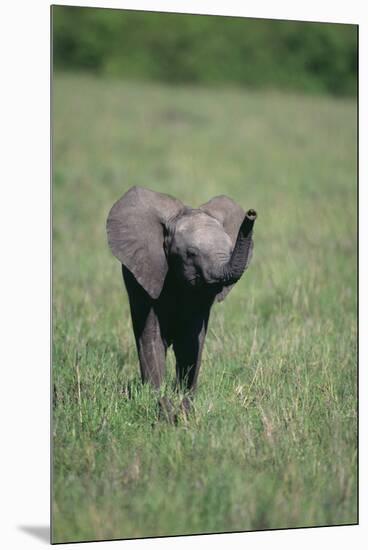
[
  {"x": 147, "y": 331},
  {"x": 151, "y": 351},
  {"x": 188, "y": 345}
]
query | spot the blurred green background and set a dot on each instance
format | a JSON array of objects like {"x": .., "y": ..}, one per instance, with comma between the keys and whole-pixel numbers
[
  {"x": 180, "y": 48},
  {"x": 272, "y": 439}
]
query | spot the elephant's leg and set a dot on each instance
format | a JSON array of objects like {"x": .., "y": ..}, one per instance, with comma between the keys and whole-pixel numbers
[
  {"x": 150, "y": 344},
  {"x": 188, "y": 345},
  {"x": 151, "y": 350}
]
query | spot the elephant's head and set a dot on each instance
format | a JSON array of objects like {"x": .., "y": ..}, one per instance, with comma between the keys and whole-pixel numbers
[{"x": 206, "y": 247}]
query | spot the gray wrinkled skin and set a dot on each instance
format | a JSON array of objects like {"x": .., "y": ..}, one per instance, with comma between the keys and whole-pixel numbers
[
  {"x": 176, "y": 261},
  {"x": 198, "y": 244}
]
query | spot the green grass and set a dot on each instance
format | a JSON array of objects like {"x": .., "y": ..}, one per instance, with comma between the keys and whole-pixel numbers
[{"x": 272, "y": 440}]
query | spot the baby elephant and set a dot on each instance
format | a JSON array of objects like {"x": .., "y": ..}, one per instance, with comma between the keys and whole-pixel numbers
[{"x": 176, "y": 262}]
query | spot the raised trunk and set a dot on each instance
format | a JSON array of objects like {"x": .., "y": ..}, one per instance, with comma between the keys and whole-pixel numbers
[{"x": 231, "y": 272}]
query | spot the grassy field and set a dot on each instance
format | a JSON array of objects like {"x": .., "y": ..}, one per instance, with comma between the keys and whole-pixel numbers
[{"x": 272, "y": 440}]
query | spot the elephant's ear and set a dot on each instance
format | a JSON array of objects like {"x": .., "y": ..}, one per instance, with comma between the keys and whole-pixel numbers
[
  {"x": 135, "y": 233},
  {"x": 230, "y": 215}
]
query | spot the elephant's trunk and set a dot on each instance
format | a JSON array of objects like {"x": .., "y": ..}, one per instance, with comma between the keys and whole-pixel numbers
[{"x": 231, "y": 272}]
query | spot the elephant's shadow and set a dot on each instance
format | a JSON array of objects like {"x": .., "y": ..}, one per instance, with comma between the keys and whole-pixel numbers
[{"x": 171, "y": 405}]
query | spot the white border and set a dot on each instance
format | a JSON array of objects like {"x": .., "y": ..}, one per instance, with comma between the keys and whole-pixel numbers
[{"x": 25, "y": 286}]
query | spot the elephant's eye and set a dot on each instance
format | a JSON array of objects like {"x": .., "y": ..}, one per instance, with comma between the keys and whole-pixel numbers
[{"x": 192, "y": 251}]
